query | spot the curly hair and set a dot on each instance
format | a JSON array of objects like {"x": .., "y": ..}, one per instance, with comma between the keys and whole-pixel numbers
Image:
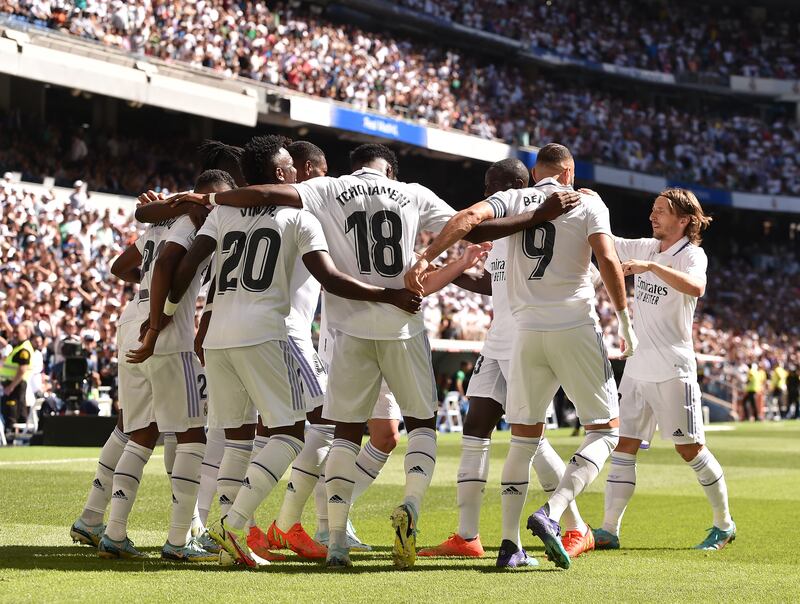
[
  {"x": 258, "y": 159},
  {"x": 364, "y": 154},
  {"x": 212, "y": 177}
]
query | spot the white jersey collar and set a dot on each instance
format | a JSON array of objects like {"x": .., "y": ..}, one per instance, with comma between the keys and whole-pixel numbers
[
  {"x": 676, "y": 247},
  {"x": 373, "y": 171},
  {"x": 551, "y": 180}
]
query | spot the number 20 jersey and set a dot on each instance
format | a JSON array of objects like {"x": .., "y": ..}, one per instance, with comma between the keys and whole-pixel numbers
[
  {"x": 256, "y": 253},
  {"x": 549, "y": 282},
  {"x": 371, "y": 223}
]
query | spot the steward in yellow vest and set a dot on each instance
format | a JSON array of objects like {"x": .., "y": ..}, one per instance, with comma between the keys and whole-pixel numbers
[{"x": 14, "y": 374}]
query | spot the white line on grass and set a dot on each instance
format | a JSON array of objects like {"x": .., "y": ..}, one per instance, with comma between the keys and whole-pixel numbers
[{"x": 43, "y": 462}]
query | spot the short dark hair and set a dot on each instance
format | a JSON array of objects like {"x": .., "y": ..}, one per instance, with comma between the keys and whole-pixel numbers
[
  {"x": 303, "y": 151},
  {"x": 511, "y": 169},
  {"x": 553, "y": 154},
  {"x": 364, "y": 154},
  {"x": 258, "y": 159},
  {"x": 212, "y": 177}
]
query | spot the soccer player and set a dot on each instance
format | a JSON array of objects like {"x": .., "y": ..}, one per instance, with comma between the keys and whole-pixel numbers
[
  {"x": 155, "y": 398},
  {"x": 257, "y": 250},
  {"x": 558, "y": 341},
  {"x": 487, "y": 403},
  {"x": 659, "y": 385}
]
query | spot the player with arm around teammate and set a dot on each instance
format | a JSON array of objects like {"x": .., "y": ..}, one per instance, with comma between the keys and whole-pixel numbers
[
  {"x": 659, "y": 385},
  {"x": 558, "y": 340}
]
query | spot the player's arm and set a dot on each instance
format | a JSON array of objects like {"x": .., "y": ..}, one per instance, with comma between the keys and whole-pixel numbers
[
  {"x": 611, "y": 271},
  {"x": 205, "y": 319},
  {"x": 128, "y": 266},
  {"x": 23, "y": 359},
  {"x": 158, "y": 211},
  {"x": 320, "y": 264},
  {"x": 551, "y": 208},
  {"x": 245, "y": 197},
  {"x": 456, "y": 229},
  {"x": 691, "y": 285},
  {"x": 438, "y": 277},
  {"x": 476, "y": 284}
]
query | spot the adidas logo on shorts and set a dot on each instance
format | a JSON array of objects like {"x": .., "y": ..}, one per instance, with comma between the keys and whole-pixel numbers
[
  {"x": 512, "y": 490},
  {"x": 120, "y": 495},
  {"x": 417, "y": 470},
  {"x": 290, "y": 488},
  {"x": 246, "y": 483},
  {"x": 336, "y": 499},
  {"x": 98, "y": 485},
  {"x": 677, "y": 432},
  {"x": 223, "y": 500}
]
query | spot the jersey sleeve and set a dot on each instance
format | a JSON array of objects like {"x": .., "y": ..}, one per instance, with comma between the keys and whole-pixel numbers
[
  {"x": 314, "y": 192},
  {"x": 182, "y": 232},
  {"x": 434, "y": 212},
  {"x": 310, "y": 237},
  {"x": 628, "y": 249},
  {"x": 210, "y": 227},
  {"x": 597, "y": 217},
  {"x": 502, "y": 203},
  {"x": 694, "y": 263}
]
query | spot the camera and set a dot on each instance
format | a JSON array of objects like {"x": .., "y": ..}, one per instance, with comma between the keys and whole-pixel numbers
[{"x": 74, "y": 376}]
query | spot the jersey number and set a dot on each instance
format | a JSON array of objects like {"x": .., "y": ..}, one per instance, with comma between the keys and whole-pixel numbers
[
  {"x": 537, "y": 244},
  {"x": 385, "y": 229},
  {"x": 260, "y": 251}
]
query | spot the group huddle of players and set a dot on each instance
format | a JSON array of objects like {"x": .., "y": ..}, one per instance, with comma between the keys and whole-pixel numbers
[{"x": 247, "y": 396}]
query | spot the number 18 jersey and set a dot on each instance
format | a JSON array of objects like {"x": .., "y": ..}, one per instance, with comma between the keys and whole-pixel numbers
[
  {"x": 549, "y": 280},
  {"x": 371, "y": 223},
  {"x": 257, "y": 249}
]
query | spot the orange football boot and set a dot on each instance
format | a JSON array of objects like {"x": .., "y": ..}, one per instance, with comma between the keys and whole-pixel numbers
[
  {"x": 259, "y": 544},
  {"x": 455, "y": 546},
  {"x": 577, "y": 544},
  {"x": 297, "y": 540}
]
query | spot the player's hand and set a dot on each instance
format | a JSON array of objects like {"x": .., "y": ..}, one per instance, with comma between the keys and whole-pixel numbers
[
  {"x": 197, "y": 214},
  {"x": 475, "y": 253},
  {"x": 404, "y": 299},
  {"x": 629, "y": 340},
  {"x": 557, "y": 204},
  {"x": 414, "y": 277},
  {"x": 149, "y": 197},
  {"x": 163, "y": 323},
  {"x": 8, "y": 390},
  {"x": 145, "y": 351},
  {"x": 198, "y": 198},
  {"x": 635, "y": 267}
]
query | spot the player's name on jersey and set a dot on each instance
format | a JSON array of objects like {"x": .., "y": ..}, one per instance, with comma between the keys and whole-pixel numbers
[
  {"x": 649, "y": 292},
  {"x": 367, "y": 190},
  {"x": 258, "y": 211},
  {"x": 166, "y": 223},
  {"x": 529, "y": 200}
]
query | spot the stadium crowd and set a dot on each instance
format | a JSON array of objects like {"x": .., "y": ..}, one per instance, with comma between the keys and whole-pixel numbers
[
  {"x": 293, "y": 47},
  {"x": 675, "y": 37}
]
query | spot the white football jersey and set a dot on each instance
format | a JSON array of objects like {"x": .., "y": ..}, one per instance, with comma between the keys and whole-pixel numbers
[
  {"x": 304, "y": 290},
  {"x": 501, "y": 332},
  {"x": 257, "y": 250},
  {"x": 549, "y": 283},
  {"x": 371, "y": 224},
  {"x": 662, "y": 316},
  {"x": 325, "y": 344},
  {"x": 179, "y": 334}
]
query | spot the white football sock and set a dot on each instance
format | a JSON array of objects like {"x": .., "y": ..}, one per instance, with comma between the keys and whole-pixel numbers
[
  {"x": 305, "y": 475},
  {"x": 369, "y": 463},
  {"x": 263, "y": 474},
  {"x": 473, "y": 471},
  {"x": 710, "y": 476},
  {"x": 583, "y": 468},
  {"x": 620, "y": 486},
  {"x": 127, "y": 477},
  {"x": 419, "y": 464},
  {"x": 215, "y": 448},
  {"x": 259, "y": 442},
  {"x": 185, "y": 483},
  {"x": 321, "y": 504},
  {"x": 170, "y": 446},
  {"x": 232, "y": 469},
  {"x": 340, "y": 479},
  {"x": 100, "y": 491},
  {"x": 549, "y": 468},
  {"x": 514, "y": 485}
]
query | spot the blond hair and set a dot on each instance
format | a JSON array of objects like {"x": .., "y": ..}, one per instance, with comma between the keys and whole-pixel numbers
[{"x": 684, "y": 203}]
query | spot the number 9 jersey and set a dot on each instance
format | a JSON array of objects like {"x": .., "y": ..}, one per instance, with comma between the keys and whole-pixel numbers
[
  {"x": 257, "y": 249},
  {"x": 549, "y": 281}
]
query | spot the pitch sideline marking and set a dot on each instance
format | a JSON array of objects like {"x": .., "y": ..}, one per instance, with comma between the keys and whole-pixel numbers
[{"x": 44, "y": 462}]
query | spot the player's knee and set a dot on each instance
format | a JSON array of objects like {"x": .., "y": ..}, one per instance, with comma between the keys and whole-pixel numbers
[
  {"x": 628, "y": 445},
  {"x": 385, "y": 440},
  {"x": 478, "y": 427},
  {"x": 688, "y": 452}
]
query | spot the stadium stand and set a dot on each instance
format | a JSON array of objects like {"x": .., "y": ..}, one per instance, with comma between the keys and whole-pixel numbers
[{"x": 738, "y": 148}]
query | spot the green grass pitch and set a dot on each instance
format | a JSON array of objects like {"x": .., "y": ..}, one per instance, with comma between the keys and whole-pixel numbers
[{"x": 42, "y": 490}]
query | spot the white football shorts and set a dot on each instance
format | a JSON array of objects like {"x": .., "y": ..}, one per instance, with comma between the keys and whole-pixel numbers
[
  {"x": 674, "y": 406},
  {"x": 576, "y": 359}
]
